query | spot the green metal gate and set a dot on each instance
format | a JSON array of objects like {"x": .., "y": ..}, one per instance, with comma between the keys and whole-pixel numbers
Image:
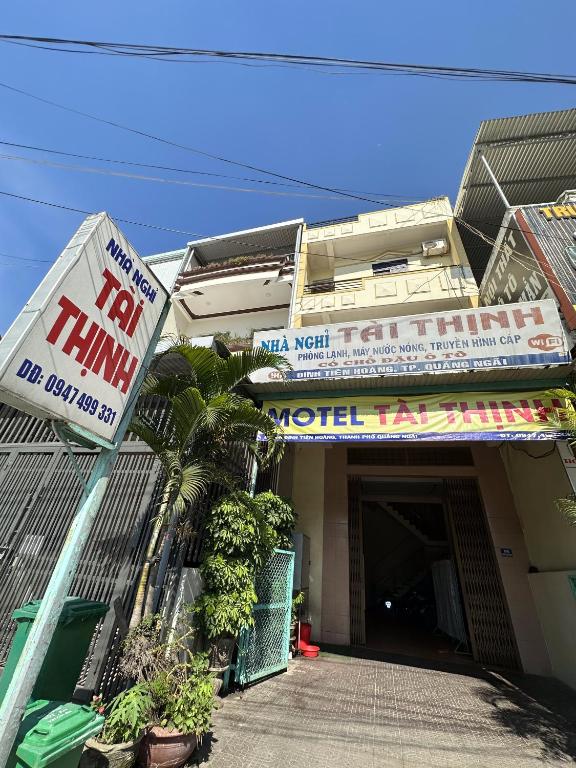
[{"x": 263, "y": 649}]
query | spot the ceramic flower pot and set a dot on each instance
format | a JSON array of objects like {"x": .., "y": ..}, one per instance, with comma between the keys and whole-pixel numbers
[
  {"x": 99, "y": 755},
  {"x": 162, "y": 748}
]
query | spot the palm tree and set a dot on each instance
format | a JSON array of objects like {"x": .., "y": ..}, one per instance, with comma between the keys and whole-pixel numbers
[{"x": 191, "y": 414}]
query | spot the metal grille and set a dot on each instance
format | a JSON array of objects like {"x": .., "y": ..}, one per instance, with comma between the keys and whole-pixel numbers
[
  {"x": 491, "y": 632},
  {"x": 404, "y": 456},
  {"x": 357, "y": 596},
  {"x": 267, "y": 480},
  {"x": 40, "y": 493},
  {"x": 264, "y": 648},
  {"x": 18, "y": 427}
]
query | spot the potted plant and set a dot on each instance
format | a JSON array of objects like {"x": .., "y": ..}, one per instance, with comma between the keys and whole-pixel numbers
[
  {"x": 242, "y": 533},
  {"x": 127, "y": 716},
  {"x": 182, "y": 703},
  {"x": 178, "y": 687}
]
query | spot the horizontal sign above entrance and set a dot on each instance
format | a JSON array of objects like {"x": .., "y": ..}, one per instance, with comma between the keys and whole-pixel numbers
[
  {"x": 453, "y": 416},
  {"x": 74, "y": 351},
  {"x": 511, "y": 336}
]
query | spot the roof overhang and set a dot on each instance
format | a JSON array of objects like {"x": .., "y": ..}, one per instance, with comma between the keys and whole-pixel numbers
[
  {"x": 503, "y": 379},
  {"x": 259, "y": 239},
  {"x": 533, "y": 158}
]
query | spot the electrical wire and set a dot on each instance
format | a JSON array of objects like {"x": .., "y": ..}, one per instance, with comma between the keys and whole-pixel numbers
[
  {"x": 187, "y": 148},
  {"x": 173, "y": 230},
  {"x": 154, "y": 166},
  {"x": 157, "y": 179},
  {"x": 533, "y": 263},
  {"x": 158, "y": 52}
]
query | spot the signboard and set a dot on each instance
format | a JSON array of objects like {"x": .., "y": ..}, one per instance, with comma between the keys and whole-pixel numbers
[
  {"x": 453, "y": 416},
  {"x": 534, "y": 258},
  {"x": 568, "y": 460},
  {"x": 468, "y": 339},
  {"x": 75, "y": 349}
]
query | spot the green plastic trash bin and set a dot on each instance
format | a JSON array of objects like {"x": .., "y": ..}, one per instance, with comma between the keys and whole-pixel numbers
[
  {"x": 67, "y": 651},
  {"x": 53, "y": 734}
]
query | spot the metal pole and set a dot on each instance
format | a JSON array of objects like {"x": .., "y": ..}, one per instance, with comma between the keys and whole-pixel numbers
[
  {"x": 36, "y": 647},
  {"x": 495, "y": 181}
]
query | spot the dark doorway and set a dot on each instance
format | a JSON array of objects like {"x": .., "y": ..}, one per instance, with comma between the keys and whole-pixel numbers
[{"x": 412, "y": 597}]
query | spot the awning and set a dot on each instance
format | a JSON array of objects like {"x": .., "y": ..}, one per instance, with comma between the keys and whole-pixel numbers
[{"x": 534, "y": 160}]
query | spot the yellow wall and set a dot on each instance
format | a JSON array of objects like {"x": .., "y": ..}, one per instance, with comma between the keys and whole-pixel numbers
[
  {"x": 308, "y": 499},
  {"x": 343, "y": 250}
]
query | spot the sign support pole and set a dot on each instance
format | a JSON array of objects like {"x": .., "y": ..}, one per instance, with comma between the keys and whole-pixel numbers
[{"x": 36, "y": 647}]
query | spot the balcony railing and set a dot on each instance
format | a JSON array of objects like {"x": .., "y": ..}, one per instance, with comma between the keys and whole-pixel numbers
[
  {"x": 332, "y": 286},
  {"x": 236, "y": 266}
]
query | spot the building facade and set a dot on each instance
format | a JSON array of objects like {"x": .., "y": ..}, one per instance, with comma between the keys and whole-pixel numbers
[
  {"x": 231, "y": 285},
  {"x": 425, "y": 415}
]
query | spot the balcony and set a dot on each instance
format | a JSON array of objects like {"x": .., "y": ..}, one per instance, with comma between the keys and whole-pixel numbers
[
  {"x": 240, "y": 285},
  {"x": 400, "y": 261},
  {"x": 236, "y": 266},
  {"x": 387, "y": 295}
]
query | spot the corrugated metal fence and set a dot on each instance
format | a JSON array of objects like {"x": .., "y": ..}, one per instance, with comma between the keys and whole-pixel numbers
[{"x": 39, "y": 493}]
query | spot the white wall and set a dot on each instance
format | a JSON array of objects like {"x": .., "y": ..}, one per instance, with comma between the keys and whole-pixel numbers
[
  {"x": 536, "y": 483},
  {"x": 238, "y": 325},
  {"x": 556, "y": 606}
]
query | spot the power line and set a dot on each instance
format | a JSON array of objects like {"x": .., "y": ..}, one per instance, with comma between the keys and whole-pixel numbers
[
  {"x": 158, "y": 52},
  {"x": 117, "y": 161},
  {"x": 196, "y": 234},
  {"x": 178, "y": 182},
  {"x": 533, "y": 262},
  {"x": 172, "y": 230},
  {"x": 25, "y": 258},
  {"x": 187, "y": 148}
]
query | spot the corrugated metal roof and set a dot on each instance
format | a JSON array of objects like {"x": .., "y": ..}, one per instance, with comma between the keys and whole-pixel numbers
[
  {"x": 534, "y": 159},
  {"x": 514, "y": 377}
]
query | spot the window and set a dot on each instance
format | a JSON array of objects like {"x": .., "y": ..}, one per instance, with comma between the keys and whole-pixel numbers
[{"x": 387, "y": 267}]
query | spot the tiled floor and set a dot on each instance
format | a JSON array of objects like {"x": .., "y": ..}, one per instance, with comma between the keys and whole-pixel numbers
[{"x": 336, "y": 711}]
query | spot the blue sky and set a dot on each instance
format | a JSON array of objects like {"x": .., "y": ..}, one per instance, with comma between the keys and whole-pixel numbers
[{"x": 385, "y": 134}]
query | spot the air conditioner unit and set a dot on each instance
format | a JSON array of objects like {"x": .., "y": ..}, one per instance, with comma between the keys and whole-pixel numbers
[{"x": 435, "y": 247}]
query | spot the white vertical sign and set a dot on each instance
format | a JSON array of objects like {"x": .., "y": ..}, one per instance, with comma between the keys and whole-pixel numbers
[
  {"x": 568, "y": 460},
  {"x": 74, "y": 351}
]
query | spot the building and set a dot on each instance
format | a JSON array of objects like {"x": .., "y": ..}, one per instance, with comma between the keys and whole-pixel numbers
[
  {"x": 425, "y": 427},
  {"x": 517, "y": 193},
  {"x": 410, "y": 528},
  {"x": 231, "y": 285},
  {"x": 410, "y": 257}
]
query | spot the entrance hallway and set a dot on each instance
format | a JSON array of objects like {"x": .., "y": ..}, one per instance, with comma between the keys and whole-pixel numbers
[{"x": 358, "y": 713}]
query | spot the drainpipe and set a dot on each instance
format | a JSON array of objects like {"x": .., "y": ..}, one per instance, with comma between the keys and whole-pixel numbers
[{"x": 295, "y": 279}]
